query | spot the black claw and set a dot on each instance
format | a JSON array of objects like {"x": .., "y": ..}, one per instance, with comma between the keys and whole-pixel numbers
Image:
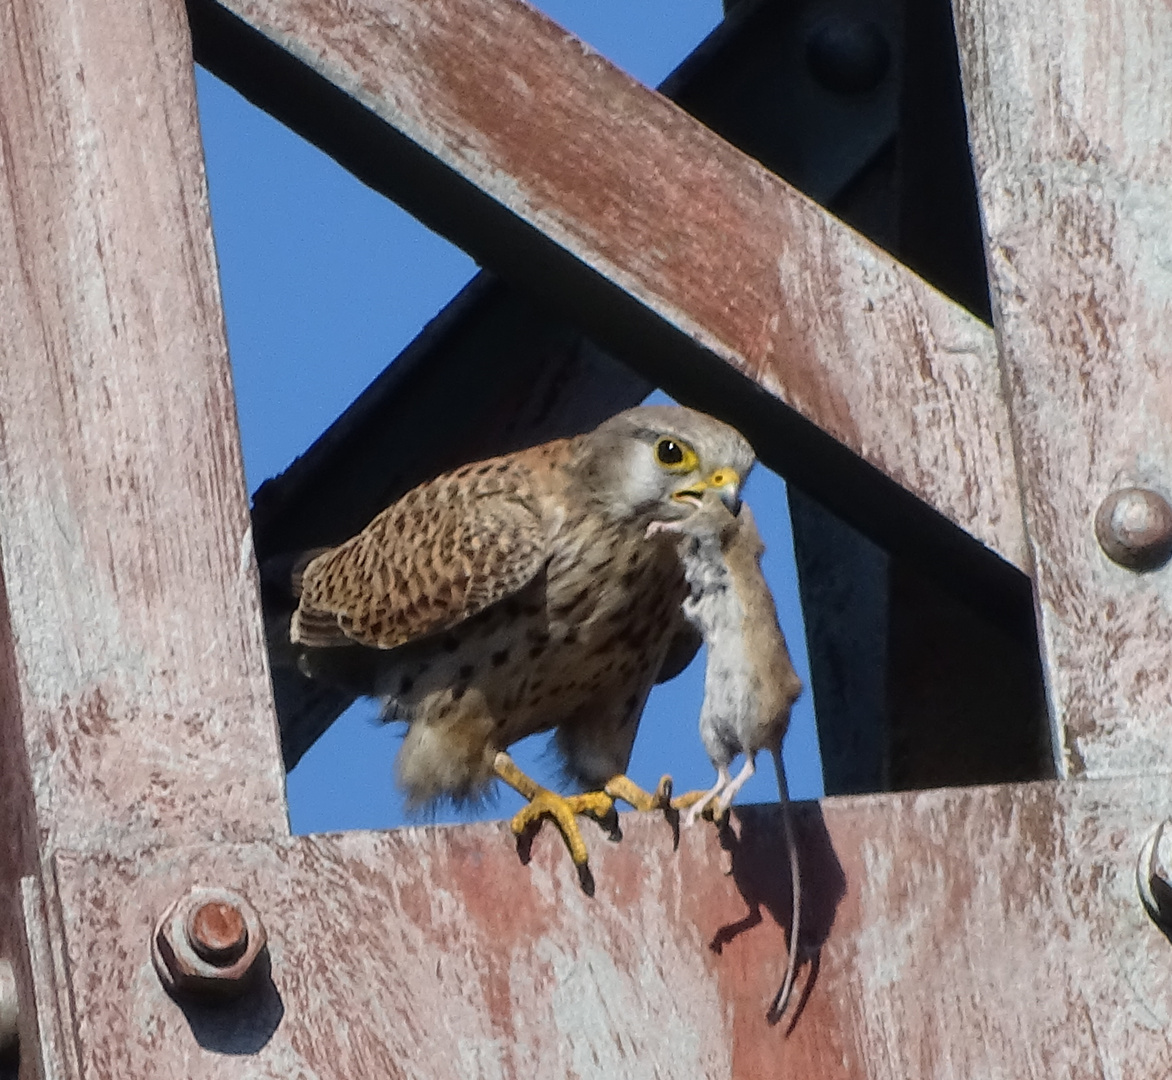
[
  {"x": 673, "y": 819},
  {"x": 610, "y": 823},
  {"x": 586, "y": 879},
  {"x": 663, "y": 792},
  {"x": 525, "y": 846}
]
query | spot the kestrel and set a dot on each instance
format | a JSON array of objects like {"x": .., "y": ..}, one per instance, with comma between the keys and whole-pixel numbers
[
  {"x": 750, "y": 685},
  {"x": 519, "y": 595}
]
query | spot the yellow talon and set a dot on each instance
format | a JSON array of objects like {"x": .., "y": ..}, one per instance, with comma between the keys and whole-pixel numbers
[
  {"x": 688, "y": 799},
  {"x": 563, "y": 809},
  {"x": 623, "y": 787},
  {"x": 545, "y": 803},
  {"x": 704, "y": 803}
]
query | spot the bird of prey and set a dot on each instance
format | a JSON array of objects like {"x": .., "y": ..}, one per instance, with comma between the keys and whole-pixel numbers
[
  {"x": 519, "y": 595},
  {"x": 749, "y": 683}
]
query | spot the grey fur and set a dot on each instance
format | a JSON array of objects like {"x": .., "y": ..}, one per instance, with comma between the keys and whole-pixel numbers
[{"x": 749, "y": 684}]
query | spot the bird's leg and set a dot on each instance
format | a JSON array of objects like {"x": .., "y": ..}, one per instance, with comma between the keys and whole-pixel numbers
[
  {"x": 730, "y": 792},
  {"x": 546, "y": 803},
  {"x": 695, "y": 802},
  {"x": 623, "y": 787}
]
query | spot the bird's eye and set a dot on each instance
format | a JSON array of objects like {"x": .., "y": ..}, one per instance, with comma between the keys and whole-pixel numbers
[
  {"x": 669, "y": 452},
  {"x": 675, "y": 455}
]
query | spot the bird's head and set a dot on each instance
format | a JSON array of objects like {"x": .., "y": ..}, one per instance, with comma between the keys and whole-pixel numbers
[{"x": 663, "y": 462}]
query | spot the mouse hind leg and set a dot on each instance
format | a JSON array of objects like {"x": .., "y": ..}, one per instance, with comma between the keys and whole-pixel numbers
[{"x": 730, "y": 791}]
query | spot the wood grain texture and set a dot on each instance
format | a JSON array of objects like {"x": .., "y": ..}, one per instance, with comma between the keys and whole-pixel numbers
[
  {"x": 1006, "y": 915},
  {"x": 136, "y": 681},
  {"x": 1070, "y": 113},
  {"x": 634, "y": 203}
]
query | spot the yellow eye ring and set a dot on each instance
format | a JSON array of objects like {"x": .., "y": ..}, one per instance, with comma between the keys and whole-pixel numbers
[{"x": 674, "y": 455}]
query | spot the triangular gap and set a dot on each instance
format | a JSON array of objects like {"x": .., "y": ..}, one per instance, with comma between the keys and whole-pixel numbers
[
  {"x": 378, "y": 784},
  {"x": 647, "y": 39},
  {"x": 323, "y": 280}
]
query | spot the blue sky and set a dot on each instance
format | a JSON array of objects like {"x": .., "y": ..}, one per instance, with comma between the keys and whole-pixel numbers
[{"x": 324, "y": 282}]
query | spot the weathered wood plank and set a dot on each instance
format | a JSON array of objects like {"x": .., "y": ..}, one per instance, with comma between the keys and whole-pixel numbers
[
  {"x": 663, "y": 242},
  {"x": 136, "y": 703},
  {"x": 1070, "y": 117},
  {"x": 1008, "y": 913}
]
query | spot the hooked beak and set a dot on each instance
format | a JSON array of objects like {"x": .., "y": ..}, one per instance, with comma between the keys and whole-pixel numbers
[{"x": 724, "y": 482}]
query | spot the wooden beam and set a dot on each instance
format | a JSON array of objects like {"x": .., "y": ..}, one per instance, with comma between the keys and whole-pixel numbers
[
  {"x": 665, "y": 244},
  {"x": 984, "y": 932},
  {"x": 1069, "y": 114},
  {"x": 135, "y": 707}
]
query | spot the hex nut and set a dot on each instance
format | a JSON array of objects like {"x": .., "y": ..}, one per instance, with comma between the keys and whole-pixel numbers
[
  {"x": 1134, "y": 528},
  {"x": 209, "y": 943},
  {"x": 9, "y": 1008},
  {"x": 1153, "y": 874}
]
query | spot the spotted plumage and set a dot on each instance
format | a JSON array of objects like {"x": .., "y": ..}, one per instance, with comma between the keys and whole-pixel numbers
[{"x": 518, "y": 595}]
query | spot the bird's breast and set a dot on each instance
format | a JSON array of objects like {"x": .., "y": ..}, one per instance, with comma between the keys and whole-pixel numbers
[{"x": 591, "y": 631}]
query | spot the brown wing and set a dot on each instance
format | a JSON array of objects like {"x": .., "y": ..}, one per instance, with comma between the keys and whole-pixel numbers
[{"x": 445, "y": 551}]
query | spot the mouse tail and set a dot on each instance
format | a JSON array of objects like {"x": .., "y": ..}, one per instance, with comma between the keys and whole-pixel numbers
[{"x": 781, "y": 1001}]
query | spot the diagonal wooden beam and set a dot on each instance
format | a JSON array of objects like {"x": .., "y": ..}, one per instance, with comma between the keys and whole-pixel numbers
[{"x": 668, "y": 246}]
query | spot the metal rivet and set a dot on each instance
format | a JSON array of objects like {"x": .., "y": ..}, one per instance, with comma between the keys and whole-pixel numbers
[
  {"x": 1134, "y": 528},
  {"x": 1153, "y": 874},
  {"x": 9, "y": 1008},
  {"x": 848, "y": 56},
  {"x": 210, "y": 942}
]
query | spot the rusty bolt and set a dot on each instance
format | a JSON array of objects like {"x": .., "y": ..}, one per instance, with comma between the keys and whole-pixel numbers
[
  {"x": 8, "y": 1007},
  {"x": 208, "y": 943},
  {"x": 217, "y": 932},
  {"x": 1153, "y": 874},
  {"x": 1134, "y": 527}
]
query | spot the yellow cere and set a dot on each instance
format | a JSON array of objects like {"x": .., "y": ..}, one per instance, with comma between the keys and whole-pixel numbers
[{"x": 723, "y": 478}]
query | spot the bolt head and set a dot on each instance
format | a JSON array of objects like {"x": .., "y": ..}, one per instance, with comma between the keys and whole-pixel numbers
[
  {"x": 1134, "y": 528},
  {"x": 209, "y": 943},
  {"x": 217, "y": 932},
  {"x": 847, "y": 55}
]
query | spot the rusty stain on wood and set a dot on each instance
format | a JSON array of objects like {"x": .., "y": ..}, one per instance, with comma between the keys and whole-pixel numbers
[
  {"x": 1008, "y": 911},
  {"x": 133, "y": 616},
  {"x": 1070, "y": 114},
  {"x": 623, "y": 182}
]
